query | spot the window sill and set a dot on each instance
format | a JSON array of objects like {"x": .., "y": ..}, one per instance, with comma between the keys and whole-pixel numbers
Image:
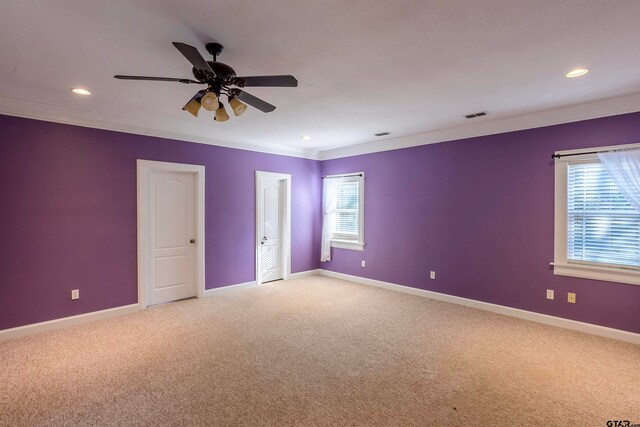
[
  {"x": 620, "y": 275},
  {"x": 345, "y": 244}
]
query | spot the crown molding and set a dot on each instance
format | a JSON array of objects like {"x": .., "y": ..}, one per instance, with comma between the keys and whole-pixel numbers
[
  {"x": 57, "y": 114},
  {"x": 573, "y": 113},
  {"x": 53, "y": 113}
]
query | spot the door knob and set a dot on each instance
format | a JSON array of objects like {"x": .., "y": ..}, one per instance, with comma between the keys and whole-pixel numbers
[
  {"x": 192, "y": 241},
  {"x": 264, "y": 238}
]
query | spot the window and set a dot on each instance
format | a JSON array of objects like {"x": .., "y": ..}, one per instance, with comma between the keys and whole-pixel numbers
[
  {"x": 347, "y": 220},
  {"x": 597, "y": 230},
  {"x": 346, "y": 224}
]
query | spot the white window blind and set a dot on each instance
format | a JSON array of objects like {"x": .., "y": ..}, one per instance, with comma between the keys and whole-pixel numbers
[
  {"x": 602, "y": 227},
  {"x": 347, "y": 217}
]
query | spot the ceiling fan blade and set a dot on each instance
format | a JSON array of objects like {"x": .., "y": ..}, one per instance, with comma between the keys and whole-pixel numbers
[
  {"x": 158, "y": 79},
  {"x": 267, "y": 81},
  {"x": 258, "y": 103},
  {"x": 192, "y": 54}
]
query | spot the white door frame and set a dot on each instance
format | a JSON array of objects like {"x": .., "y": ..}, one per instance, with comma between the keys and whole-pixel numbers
[
  {"x": 145, "y": 168},
  {"x": 286, "y": 229}
]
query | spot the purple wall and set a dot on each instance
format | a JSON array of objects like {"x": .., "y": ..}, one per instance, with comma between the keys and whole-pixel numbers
[
  {"x": 68, "y": 215},
  {"x": 479, "y": 212}
]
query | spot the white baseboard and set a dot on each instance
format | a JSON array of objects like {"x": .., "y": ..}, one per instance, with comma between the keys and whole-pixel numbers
[
  {"x": 602, "y": 331},
  {"x": 560, "y": 322},
  {"x": 307, "y": 273},
  {"x": 34, "y": 328},
  {"x": 49, "y": 325},
  {"x": 216, "y": 291}
]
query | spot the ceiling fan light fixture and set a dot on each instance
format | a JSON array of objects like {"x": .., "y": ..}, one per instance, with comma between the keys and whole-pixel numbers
[
  {"x": 238, "y": 106},
  {"x": 209, "y": 101},
  {"x": 218, "y": 78},
  {"x": 221, "y": 114},
  {"x": 192, "y": 107}
]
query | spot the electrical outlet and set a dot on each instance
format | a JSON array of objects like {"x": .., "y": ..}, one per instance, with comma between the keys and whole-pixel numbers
[
  {"x": 571, "y": 297},
  {"x": 550, "y": 294},
  {"x": 362, "y": 263},
  {"x": 432, "y": 275},
  {"x": 75, "y": 294}
]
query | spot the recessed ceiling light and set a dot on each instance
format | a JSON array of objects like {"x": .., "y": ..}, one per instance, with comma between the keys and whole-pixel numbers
[
  {"x": 577, "y": 72},
  {"x": 79, "y": 91},
  {"x": 305, "y": 137}
]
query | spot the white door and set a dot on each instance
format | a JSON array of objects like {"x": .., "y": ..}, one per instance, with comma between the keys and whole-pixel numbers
[
  {"x": 172, "y": 236},
  {"x": 270, "y": 230}
]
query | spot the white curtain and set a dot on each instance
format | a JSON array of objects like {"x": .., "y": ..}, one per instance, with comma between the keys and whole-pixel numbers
[
  {"x": 329, "y": 199},
  {"x": 624, "y": 167}
]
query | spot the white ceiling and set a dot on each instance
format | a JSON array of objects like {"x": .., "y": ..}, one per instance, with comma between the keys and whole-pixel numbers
[{"x": 363, "y": 66}]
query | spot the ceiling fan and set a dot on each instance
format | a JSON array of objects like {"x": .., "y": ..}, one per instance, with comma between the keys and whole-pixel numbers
[{"x": 219, "y": 79}]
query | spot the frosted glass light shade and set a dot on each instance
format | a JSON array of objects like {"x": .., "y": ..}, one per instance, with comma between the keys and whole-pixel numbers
[
  {"x": 221, "y": 114},
  {"x": 209, "y": 101},
  {"x": 192, "y": 107},
  {"x": 238, "y": 106}
]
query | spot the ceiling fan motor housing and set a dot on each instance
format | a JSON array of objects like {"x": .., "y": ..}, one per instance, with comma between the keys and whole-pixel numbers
[{"x": 223, "y": 72}]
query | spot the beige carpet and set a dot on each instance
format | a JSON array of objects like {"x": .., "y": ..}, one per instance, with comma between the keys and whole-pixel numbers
[{"x": 317, "y": 351}]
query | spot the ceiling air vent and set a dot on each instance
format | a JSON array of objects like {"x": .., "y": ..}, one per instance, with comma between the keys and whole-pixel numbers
[
  {"x": 382, "y": 133},
  {"x": 473, "y": 116}
]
